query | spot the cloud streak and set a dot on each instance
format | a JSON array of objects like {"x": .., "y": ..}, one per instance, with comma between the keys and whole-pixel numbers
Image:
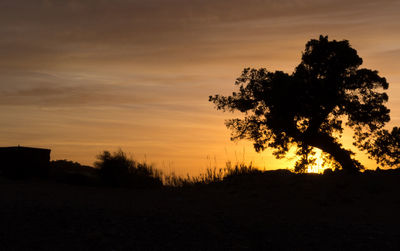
[{"x": 59, "y": 33}]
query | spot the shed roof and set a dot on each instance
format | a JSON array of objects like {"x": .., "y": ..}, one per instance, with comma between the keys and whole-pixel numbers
[{"x": 24, "y": 148}]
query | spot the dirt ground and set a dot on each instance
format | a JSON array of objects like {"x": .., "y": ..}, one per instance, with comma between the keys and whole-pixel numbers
[{"x": 258, "y": 213}]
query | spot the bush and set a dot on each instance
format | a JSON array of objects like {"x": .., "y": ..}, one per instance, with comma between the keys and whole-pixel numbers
[
  {"x": 69, "y": 166},
  {"x": 116, "y": 169},
  {"x": 232, "y": 173},
  {"x": 70, "y": 172},
  {"x": 240, "y": 169}
]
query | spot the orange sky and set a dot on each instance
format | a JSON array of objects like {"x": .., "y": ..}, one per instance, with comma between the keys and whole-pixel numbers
[{"x": 81, "y": 76}]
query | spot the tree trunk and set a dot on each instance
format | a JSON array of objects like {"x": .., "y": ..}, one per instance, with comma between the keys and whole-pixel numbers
[{"x": 327, "y": 144}]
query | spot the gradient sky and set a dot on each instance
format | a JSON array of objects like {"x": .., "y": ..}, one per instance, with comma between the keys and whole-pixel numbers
[{"x": 82, "y": 76}]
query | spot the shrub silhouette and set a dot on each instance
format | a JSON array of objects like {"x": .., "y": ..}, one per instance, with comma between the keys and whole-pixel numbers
[
  {"x": 69, "y": 166},
  {"x": 116, "y": 169},
  {"x": 70, "y": 172},
  {"x": 309, "y": 108},
  {"x": 213, "y": 176},
  {"x": 240, "y": 169}
]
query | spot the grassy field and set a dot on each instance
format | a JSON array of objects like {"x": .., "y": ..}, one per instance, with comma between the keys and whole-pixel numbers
[{"x": 260, "y": 211}]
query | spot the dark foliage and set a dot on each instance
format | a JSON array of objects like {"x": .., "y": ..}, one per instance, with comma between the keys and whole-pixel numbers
[
  {"x": 384, "y": 146},
  {"x": 70, "y": 166},
  {"x": 70, "y": 172},
  {"x": 116, "y": 169},
  {"x": 309, "y": 108}
]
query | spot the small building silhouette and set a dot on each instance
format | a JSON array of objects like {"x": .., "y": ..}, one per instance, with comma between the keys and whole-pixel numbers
[{"x": 19, "y": 162}]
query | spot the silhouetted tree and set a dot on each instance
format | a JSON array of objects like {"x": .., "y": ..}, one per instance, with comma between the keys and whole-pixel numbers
[
  {"x": 309, "y": 107},
  {"x": 384, "y": 147}
]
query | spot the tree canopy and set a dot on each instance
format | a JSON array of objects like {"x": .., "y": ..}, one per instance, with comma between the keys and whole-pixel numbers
[{"x": 310, "y": 107}]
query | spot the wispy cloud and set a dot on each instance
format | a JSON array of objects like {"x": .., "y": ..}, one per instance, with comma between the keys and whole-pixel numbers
[{"x": 47, "y": 34}]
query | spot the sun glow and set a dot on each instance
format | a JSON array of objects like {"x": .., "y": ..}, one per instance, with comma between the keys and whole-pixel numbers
[{"x": 317, "y": 167}]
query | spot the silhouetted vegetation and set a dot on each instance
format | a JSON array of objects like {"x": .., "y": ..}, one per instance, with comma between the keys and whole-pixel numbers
[
  {"x": 116, "y": 169},
  {"x": 309, "y": 108},
  {"x": 211, "y": 176},
  {"x": 70, "y": 172},
  {"x": 70, "y": 166}
]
